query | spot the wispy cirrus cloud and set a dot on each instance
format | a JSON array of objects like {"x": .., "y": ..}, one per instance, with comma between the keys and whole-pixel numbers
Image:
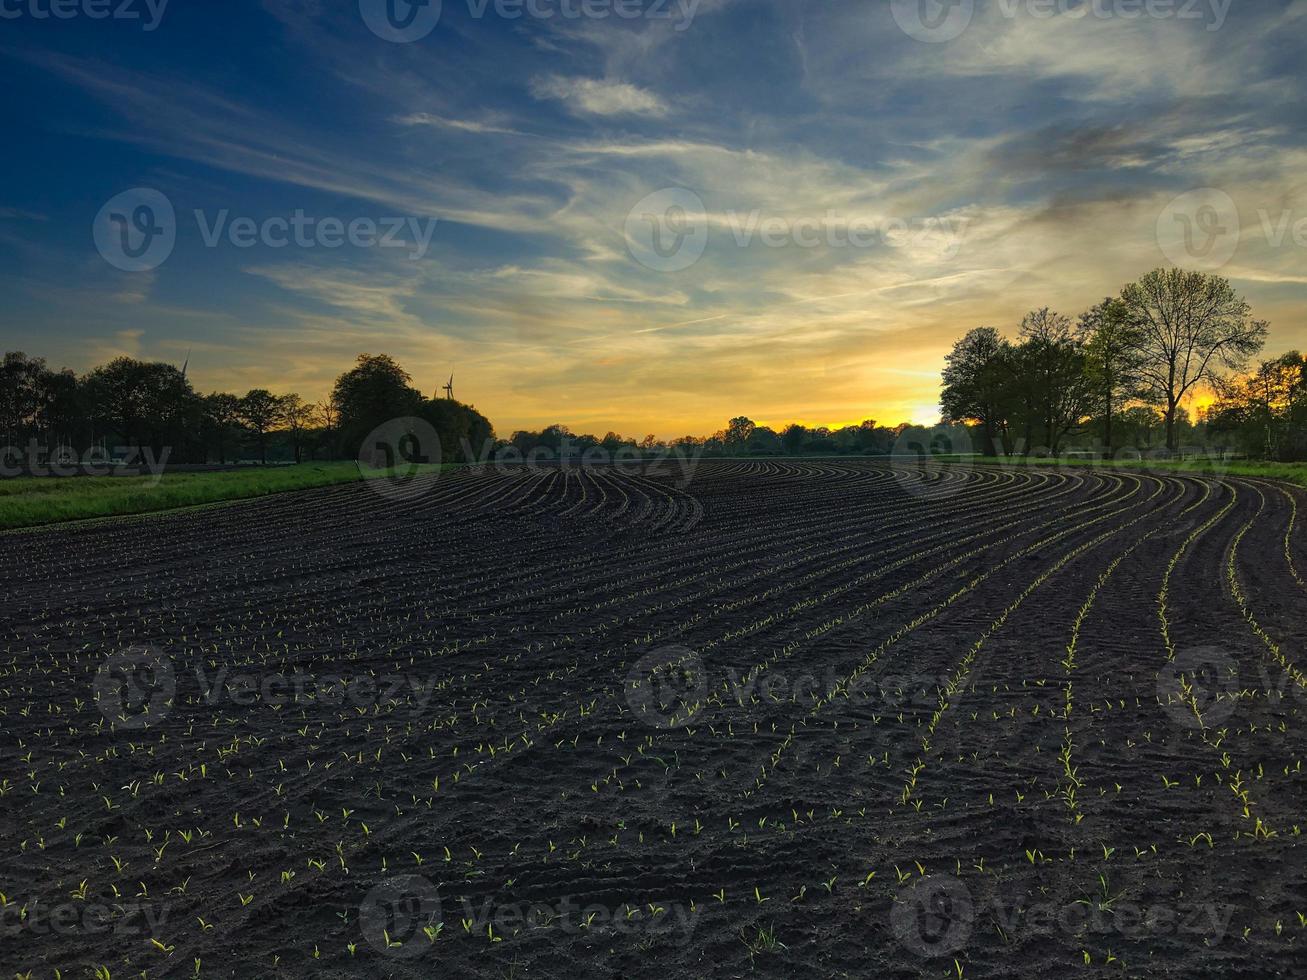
[{"x": 598, "y": 97}]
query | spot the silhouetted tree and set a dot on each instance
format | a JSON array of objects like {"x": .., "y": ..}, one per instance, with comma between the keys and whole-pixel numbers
[
  {"x": 373, "y": 392},
  {"x": 1188, "y": 324},
  {"x": 261, "y": 411},
  {"x": 144, "y": 403},
  {"x": 1266, "y": 410},
  {"x": 739, "y": 430},
  {"x": 1051, "y": 369},
  {"x": 977, "y": 385},
  {"x": 299, "y": 417},
  {"x": 1111, "y": 358},
  {"x": 22, "y": 384},
  {"x": 222, "y": 417}
]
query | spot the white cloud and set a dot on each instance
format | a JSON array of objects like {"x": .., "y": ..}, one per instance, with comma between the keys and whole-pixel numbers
[{"x": 598, "y": 97}]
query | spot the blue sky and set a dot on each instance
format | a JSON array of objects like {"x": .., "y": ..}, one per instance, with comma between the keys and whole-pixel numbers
[{"x": 846, "y": 197}]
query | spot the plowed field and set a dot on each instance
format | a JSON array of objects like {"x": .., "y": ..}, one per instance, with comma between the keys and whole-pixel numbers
[{"x": 783, "y": 719}]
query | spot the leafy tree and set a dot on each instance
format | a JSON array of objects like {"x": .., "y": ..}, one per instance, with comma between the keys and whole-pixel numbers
[
  {"x": 222, "y": 416},
  {"x": 977, "y": 385},
  {"x": 739, "y": 430},
  {"x": 1139, "y": 423},
  {"x": 1187, "y": 326},
  {"x": 261, "y": 411},
  {"x": 1111, "y": 359},
  {"x": 22, "y": 385},
  {"x": 1051, "y": 373},
  {"x": 464, "y": 433},
  {"x": 763, "y": 439},
  {"x": 62, "y": 413},
  {"x": 793, "y": 436},
  {"x": 1267, "y": 409},
  {"x": 373, "y": 392},
  {"x": 143, "y": 403}
]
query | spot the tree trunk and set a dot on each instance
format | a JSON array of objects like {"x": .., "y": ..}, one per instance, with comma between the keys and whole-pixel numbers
[
  {"x": 1107, "y": 423},
  {"x": 1170, "y": 427}
]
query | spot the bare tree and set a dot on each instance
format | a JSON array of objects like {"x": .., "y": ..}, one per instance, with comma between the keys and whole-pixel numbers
[
  {"x": 1188, "y": 324},
  {"x": 328, "y": 415},
  {"x": 299, "y": 417}
]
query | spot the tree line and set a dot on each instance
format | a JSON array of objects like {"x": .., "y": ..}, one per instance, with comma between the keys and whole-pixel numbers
[
  {"x": 1128, "y": 365},
  {"x": 741, "y": 437},
  {"x": 1115, "y": 377},
  {"x": 152, "y": 404}
]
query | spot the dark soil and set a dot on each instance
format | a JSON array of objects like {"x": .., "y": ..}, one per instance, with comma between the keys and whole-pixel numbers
[{"x": 781, "y": 719}]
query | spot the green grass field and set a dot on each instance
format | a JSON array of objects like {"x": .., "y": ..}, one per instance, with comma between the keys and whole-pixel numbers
[{"x": 34, "y": 501}]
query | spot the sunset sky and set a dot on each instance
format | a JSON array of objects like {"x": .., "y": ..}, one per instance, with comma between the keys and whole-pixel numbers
[{"x": 1030, "y": 160}]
